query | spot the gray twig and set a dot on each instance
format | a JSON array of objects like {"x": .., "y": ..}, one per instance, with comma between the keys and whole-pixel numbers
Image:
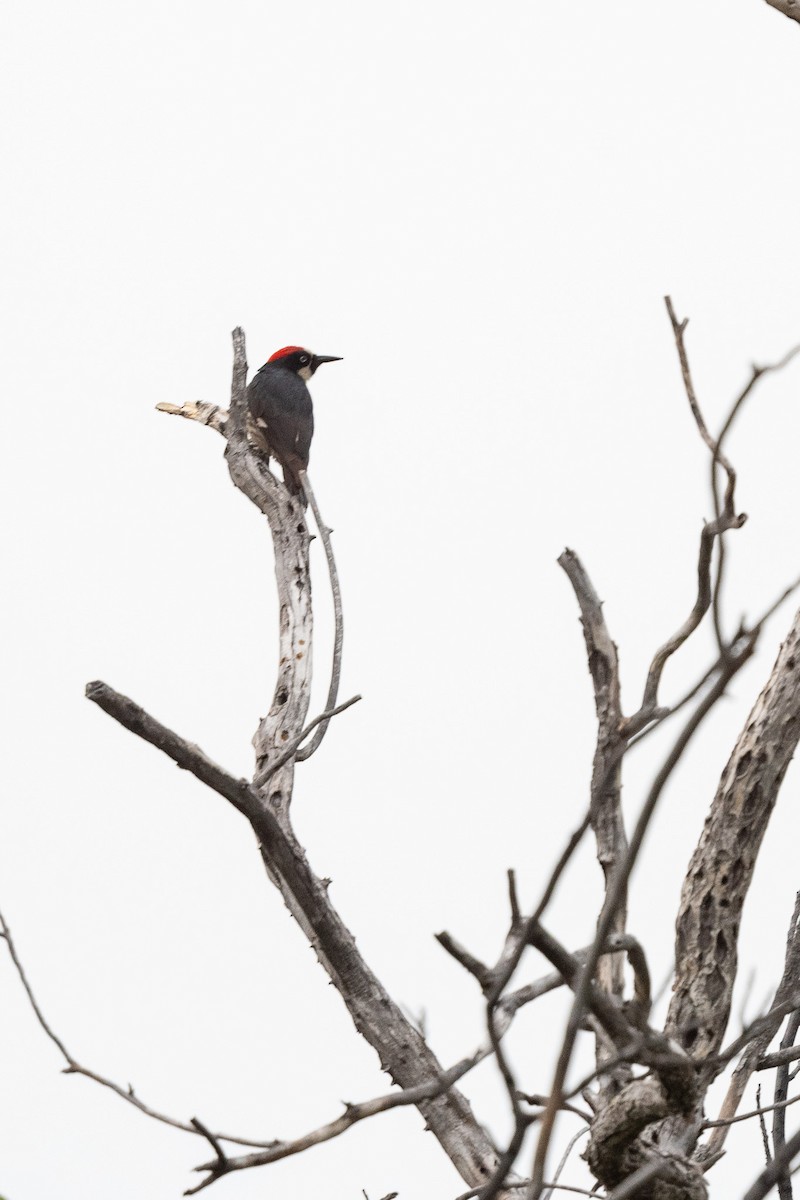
[
  {"x": 630, "y": 1186},
  {"x": 468, "y": 961},
  {"x": 517, "y": 1184},
  {"x": 755, "y": 1112},
  {"x": 564, "y": 1159},
  {"x": 73, "y": 1067},
  {"x": 781, "y": 1092},
  {"x": 289, "y": 752},
  {"x": 338, "y": 637},
  {"x": 277, "y": 1150},
  {"x": 724, "y": 519},
  {"x": 766, "y": 1181},
  {"x": 755, "y": 375},
  {"x": 763, "y": 1127}
]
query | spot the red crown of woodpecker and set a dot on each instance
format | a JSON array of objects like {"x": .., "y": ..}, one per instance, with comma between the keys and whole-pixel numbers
[{"x": 284, "y": 351}]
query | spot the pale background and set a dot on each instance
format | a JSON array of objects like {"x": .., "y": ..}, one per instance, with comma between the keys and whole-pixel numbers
[{"x": 480, "y": 208}]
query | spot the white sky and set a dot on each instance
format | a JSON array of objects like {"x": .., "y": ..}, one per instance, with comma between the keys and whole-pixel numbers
[{"x": 480, "y": 208}]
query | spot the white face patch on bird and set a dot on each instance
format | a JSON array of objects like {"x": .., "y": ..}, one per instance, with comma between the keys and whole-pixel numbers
[{"x": 301, "y": 361}]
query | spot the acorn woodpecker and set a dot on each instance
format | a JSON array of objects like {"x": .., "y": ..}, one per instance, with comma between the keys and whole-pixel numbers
[{"x": 282, "y": 415}]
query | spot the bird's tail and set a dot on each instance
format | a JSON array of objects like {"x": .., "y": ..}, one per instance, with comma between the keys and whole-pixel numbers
[{"x": 293, "y": 476}]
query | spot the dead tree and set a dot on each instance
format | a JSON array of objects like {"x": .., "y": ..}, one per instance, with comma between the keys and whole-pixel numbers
[{"x": 648, "y": 1132}]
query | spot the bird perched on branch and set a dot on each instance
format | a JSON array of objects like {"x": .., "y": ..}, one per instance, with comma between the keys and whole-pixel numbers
[{"x": 281, "y": 412}]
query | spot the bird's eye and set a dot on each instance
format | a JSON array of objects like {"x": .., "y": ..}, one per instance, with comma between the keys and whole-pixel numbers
[{"x": 304, "y": 359}]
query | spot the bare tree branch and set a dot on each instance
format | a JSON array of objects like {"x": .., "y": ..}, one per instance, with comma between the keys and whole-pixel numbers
[
  {"x": 571, "y": 1144},
  {"x": 198, "y": 410},
  {"x": 763, "y": 1127},
  {"x": 323, "y": 718},
  {"x": 755, "y": 374},
  {"x": 781, "y": 1093},
  {"x": 277, "y": 1150},
  {"x": 632, "y": 1186},
  {"x": 614, "y": 894},
  {"x": 403, "y": 1052},
  {"x": 558, "y": 870},
  {"x": 338, "y": 637},
  {"x": 187, "y": 755},
  {"x": 789, "y": 8},
  {"x": 73, "y": 1067},
  {"x": 753, "y": 1054},
  {"x": 772, "y": 1173},
  {"x": 512, "y": 1001},
  {"x": 714, "y": 889},
  {"x": 780, "y": 1057},
  {"x": 542, "y": 1102},
  {"x": 643, "y": 1131},
  {"x": 597, "y": 1001},
  {"x": 721, "y": 868},
  {"x": 518, "y": 1184},
  {"x": 212, "y": 1139},
  {"x": 724, "y": 519},
  {"x": 467, "y": 960},
  {"x": 290, "y": 539},
  {"x": 678, "y": 329},
  {"x": 755, "y": 1112},
  {"x": 606, "y": 813},
  {"x": 769, "y": 1020}
]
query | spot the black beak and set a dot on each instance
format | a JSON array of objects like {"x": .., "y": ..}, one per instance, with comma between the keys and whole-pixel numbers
[{"x": 319, "y": 359}]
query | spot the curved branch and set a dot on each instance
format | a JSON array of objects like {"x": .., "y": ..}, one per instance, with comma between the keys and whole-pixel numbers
[
  {"x": 678, "y": 329},
  {"x": 755, "y": 375},
  {"x": 721, "y": 868},
  {"x": 710, "y": 532},
  {"x": 73, "y": 1067},
  {"x": 324, "y": 718},
  {"x": 277, "y": 1150},
  {"x": 338, "y": 637},
  {"x": 725, "y": 518}
]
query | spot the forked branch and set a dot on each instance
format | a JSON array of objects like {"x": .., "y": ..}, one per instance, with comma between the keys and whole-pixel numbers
[
  {"x": 402, "y": 1051},
  {"x": 725, "y": 518}
]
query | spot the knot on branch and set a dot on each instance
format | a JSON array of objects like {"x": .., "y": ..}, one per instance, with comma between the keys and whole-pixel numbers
[
  {"x": 617, "y": 1148},
  {"x": 618, "y": 1125}
]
